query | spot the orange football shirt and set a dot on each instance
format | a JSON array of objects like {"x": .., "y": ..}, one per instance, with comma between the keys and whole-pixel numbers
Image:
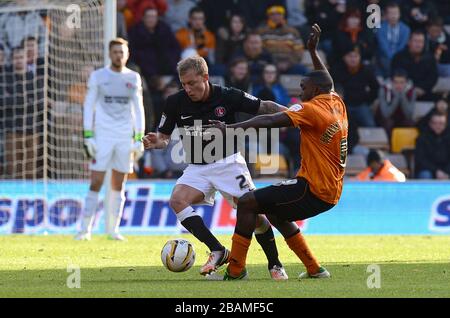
[{"x": 323, "y": 147}]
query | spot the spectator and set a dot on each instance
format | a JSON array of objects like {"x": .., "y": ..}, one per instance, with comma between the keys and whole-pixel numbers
[
  {"x": 23, "y": 120},
  {"x": 380, "y": 169},
  {"x": 255, "y": 54},
  {"x": 392, "y": 37},
  {"x": 396, "y": 99},
  {"x": 197, "y": 37},
  {"x": 239, "y": 75},
  {"x": 177, "y": 14},
  {"x": 271, "y": 87},
  {"x": 218, "y": 13},
  {"x": 351, "y": 32},
  {"x": 230, "y": 39},
  {"x": 77, "y": 91},
  {"x": 359, "y": 88},
  {"x": 296, "y": 16},
  {"x": 432, "y": 153},
  {"x": 127, "y": 14},
  {"x": 327, "y": 14},
  {"x": 418, "y": 13},
  {"x": 35, "y": 64},
  {"x": 440, "y": 107},
  {"x": 438, "y": 44},
  {"x": 443, "y": 7},
  {"x": 283, "y": 42},
  {"x": 138, "y": 7},
  {"x": 415, "y": 61},
  {"x": 16, "y": 26},
  {"x": 121, "y": 19},
  {"x": 153, "y": 47},
  {"x": 254, "y": 11}
]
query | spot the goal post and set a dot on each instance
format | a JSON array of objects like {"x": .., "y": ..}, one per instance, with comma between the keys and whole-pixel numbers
[{"x": 47, "y": 50}]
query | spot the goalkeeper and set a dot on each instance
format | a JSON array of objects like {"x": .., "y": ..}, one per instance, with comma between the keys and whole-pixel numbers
[{"x": 113, "y": 127}]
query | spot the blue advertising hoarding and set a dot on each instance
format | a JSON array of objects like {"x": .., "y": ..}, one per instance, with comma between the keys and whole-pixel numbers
[{"x": 365, "y": 208}]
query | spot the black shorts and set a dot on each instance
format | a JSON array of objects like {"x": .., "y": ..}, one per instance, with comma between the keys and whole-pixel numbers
[{"x": 290, "y": 200}]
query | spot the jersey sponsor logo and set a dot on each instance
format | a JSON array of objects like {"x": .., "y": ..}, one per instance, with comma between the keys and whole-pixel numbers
[
  {"x": 250, "y": 96},
  {"x": 440, "y": 215},
  {"x": 220, "y": 111},
  {"x": 163, "y": 120},
  {"x": 296, "y": 108}
]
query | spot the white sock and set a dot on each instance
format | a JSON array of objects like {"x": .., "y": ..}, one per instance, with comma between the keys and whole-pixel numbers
[
  {"x": 90, "y": 207},
  {"x": 116, "y": 201},
  {"x": 186, "y": 213}
]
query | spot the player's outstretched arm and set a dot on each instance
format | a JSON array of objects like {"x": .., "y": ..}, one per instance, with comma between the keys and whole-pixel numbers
[
  {"x": 312, "y": 43},
  {"x": 156, "y": 140},
  {"x": 269, "y": 107},
  {"x": 277, "y": 120}
]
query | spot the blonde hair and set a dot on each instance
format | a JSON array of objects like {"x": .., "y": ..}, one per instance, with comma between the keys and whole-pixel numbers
[
  {"x": 196, "y": 63},
  {"x": 117, "y": 41}
]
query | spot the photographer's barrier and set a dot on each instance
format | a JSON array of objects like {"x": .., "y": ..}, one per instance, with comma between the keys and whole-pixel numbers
[{"x": 365, "y": 208}]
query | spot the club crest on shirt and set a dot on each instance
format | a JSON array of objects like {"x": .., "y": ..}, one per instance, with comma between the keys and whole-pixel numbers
[
  {"x": 296, "y": 108},
  {"x": 220, "y": 111},
  {"x": 129, "y": 85}
]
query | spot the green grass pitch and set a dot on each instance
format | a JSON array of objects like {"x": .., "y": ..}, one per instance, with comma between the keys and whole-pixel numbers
[{"x": 36, "y": 266}]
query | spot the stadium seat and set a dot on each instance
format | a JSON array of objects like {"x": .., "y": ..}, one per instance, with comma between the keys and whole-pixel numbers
[
  {"x": 271, "y": 164},
  {"x": 399, "y": 161},
  {"x": 218, "y": 80},
  {"x": 291, "y": 83},
  {"x": 403, "y": 139},
  {"x": 421, "y": 109},
  {"x": 355, "y": 164},
  {"x": 373, "y": 137},
  {"x": 442, "y": 85}
]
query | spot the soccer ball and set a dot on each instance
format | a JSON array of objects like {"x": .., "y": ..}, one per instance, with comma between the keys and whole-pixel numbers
[{"x": 178, "y": 255}]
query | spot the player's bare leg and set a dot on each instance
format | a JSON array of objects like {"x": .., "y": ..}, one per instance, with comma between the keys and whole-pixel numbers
[
  {"x": 90, "y": 205},
  {"x": 298, "y": 245},
  {"x": 117, "y": 202},
  {"x": 181, "y": 201}
]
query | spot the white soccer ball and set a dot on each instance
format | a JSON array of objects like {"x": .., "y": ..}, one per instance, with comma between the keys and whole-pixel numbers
[{"x": 178, "y": 255}]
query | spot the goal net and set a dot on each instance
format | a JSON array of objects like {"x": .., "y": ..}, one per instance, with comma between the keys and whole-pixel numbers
[{"x": 47, "y": 50}]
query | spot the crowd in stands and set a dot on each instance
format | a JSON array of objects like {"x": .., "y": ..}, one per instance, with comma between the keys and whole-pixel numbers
[{"x": 388, "y": 74}]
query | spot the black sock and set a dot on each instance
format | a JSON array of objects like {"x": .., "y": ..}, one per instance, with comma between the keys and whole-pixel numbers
[
  {"x": 195, "y": 225},
  {"x": 267, "y": 242}
]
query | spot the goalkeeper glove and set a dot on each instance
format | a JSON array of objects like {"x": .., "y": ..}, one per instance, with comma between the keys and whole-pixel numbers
[
  {"x": 138, "y": 147},
  {"x": 90, "y": 147}
]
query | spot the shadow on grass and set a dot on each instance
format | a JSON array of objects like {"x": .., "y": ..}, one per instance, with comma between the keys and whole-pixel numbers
[{"x": 348, "y": 280}]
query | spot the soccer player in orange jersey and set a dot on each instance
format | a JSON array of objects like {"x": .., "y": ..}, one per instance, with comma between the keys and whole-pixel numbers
[{"x": 322, "y": 118}]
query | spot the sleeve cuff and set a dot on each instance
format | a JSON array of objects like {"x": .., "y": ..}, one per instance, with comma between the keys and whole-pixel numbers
[{"x": 88, "y": 134}]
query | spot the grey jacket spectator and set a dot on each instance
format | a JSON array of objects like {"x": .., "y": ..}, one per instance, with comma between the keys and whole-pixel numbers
[
  {"x": 396, "y": 102},
  {"x": 15, "y": 27},
  {"x": 177, "y": 14}
]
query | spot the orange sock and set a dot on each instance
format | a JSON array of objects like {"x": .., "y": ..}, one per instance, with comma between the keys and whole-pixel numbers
[
  {"x": 239, "y": 249},
  {"x": 298, "y": 244}
]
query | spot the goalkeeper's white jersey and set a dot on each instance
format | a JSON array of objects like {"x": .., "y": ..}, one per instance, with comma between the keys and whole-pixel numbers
[{"x": 113, "y": 106}]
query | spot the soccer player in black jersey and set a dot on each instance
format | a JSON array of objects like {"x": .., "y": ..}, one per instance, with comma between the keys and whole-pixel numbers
[{"x": 192, "y": 107}]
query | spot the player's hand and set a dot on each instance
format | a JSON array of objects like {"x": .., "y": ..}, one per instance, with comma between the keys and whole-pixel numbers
[
  {"x": 216, "y": 124},
  {"x": 150, "y": 140},
  {"x": 90, "y": 147},
  {"x": 314, "y": 37},
  {"x": 138, "y": 150}
]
